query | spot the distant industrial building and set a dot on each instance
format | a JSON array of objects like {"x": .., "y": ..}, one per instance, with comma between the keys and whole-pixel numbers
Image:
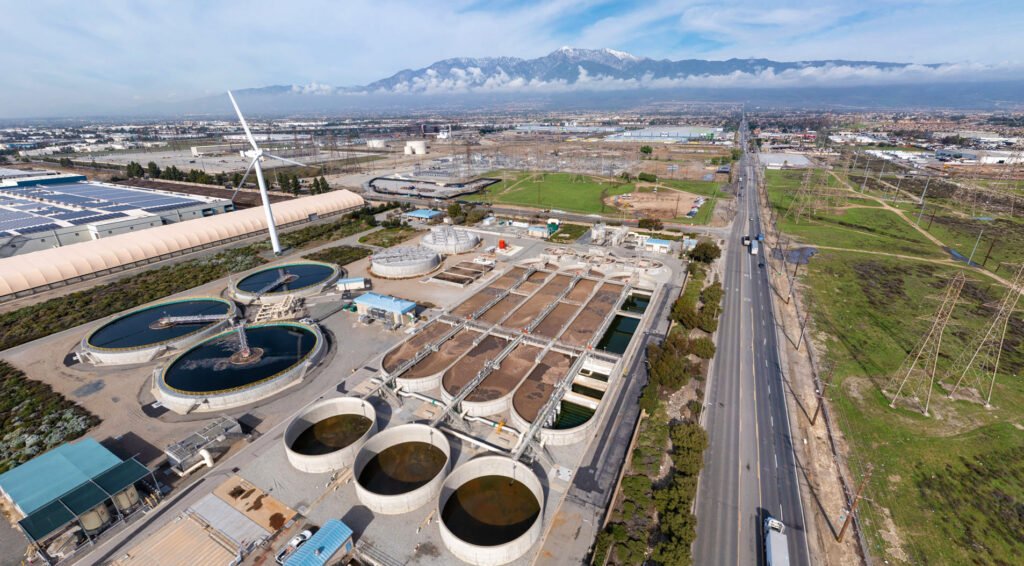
[
  {"x": 668, "y": 134},
  {"x": 45, "y": 210},
  {"x": 784, "y": 160}
]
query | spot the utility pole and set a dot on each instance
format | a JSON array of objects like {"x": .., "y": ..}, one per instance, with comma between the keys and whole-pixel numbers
[
  {"x": 976, "y": 242},
  {"x": 803, "y": 325},
  {"x": 989, "y": 252},
  {"x": 923, "y": 193},
  {"x": 853, "y": 504},
  {"x": 825, "y": 384}
]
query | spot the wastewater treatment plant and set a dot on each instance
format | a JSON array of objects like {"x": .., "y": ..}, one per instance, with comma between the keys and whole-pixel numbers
[{"x": 455, "y": 428}]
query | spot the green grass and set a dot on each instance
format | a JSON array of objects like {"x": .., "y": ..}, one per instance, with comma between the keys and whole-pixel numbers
[
  {"x": 388, "y": 237},
  {"x": 855, "y": 228},
  {"x": 557, "y": 191},
  {"x": 569, "y": 232},
  {"x": 704, "y": 188},
  {"x": 873, "y": 311},
  {"x": 1004, "y": 235}
]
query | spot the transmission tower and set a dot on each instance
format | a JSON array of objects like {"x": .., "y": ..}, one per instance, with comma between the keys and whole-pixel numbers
[
  {"x": 799, "y": 203},
  {"x": 978, "y": 364},
  {"x": 916, "y": 376}
]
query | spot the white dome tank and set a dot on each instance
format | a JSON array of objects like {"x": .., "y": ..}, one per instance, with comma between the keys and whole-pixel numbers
[
  {"x": 403, "y": 262},
  {"x": 448, "y": 240}
]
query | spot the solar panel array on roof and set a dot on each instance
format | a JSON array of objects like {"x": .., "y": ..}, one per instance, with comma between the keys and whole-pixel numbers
[
  {"x": 39, "y": 228},
  {"x": 35, "y": 208},
  {"x": 99, "y": 218}
]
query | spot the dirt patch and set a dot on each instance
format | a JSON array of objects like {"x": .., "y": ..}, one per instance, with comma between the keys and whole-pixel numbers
[
  {"x": 893, "y": 544},
  {"x": 664, "y": 204}
]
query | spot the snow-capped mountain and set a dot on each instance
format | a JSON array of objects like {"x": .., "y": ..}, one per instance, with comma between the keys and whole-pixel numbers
[{"x": 605, "y": 78}]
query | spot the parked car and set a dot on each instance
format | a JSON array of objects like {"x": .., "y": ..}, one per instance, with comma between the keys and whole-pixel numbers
[{"x": 295, "y": 542}]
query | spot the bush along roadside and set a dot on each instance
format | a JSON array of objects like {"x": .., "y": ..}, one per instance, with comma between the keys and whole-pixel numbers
[{"x": 651, "y": 522}]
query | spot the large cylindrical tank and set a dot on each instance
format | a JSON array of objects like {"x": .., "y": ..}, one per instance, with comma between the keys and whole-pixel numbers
[
  {"x": 127, "y": 498},
  {"x": 411, "y": 452},
  {"x": 416, "y": 147},
  {"x": 491, "y": 510},
  {"x": 448, "y": 240},
  {"x": 376, "y": 144},
  {"x": 403, "y": 262},
  {"x": 95, "y": 519},
  {"x": 314, "y": 442}
]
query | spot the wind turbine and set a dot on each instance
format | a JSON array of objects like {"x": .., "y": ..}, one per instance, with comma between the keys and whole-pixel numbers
[{"x": 258, "y": 155}]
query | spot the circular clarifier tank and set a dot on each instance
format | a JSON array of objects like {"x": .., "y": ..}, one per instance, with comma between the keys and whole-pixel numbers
[
  {"x": 491, "y": 509},
  {"x": 275, "y": 283},
  {"x": 327, "y": 436},
  {"x": 218, "y": 374},
  {"x": 401, "y": 468},
  {"x": 144, "y": 334}
]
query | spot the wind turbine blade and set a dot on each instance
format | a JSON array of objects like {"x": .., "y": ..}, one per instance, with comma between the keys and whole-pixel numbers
[
  {"x": 272, "y": 156},
  {"x": 241, "y": 118},
  {"x": 244, "y": 177}
]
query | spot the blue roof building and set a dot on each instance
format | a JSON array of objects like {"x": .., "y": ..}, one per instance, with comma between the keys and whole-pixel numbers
[
  {"x": 423, "y": 214},
  {"x": 331, "y": 538},
  {"x": 385, "y": 307}
]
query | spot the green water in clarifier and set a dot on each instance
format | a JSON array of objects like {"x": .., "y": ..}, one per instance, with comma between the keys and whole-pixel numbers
[{"x": 331, "y": 434}]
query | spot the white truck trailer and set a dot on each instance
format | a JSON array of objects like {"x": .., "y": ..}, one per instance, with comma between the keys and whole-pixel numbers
[{"x": 776, "y": 548}]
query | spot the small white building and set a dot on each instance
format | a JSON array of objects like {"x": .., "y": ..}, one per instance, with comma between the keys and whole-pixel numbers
[{"x": 657, "y": 245}]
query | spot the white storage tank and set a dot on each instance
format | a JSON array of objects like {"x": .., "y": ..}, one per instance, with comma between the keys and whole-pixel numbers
[
  {"x": 404, "y": 261},
  {"x": 416, "y": 147},
  {"x": 491, "y": 510},
  {"x": 327, "y": 436},
  {"x": 448, "y": 240},
  {"x": 401, "y": 468},
  {"x": 376, "y": 144}
]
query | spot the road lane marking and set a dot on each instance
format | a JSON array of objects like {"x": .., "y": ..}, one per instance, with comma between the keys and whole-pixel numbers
[{"x": 777, "y": 465}]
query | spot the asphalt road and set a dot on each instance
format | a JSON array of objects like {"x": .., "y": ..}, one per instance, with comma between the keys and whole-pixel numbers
[{"x": 749, "y": 467}]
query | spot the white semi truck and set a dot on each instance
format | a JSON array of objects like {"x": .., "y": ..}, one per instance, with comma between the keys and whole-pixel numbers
[
  {"x": 776, "y": 548},
  {"x": 753, "y": 247}
]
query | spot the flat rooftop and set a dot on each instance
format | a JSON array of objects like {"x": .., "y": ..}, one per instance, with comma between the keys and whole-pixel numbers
[{"x": 33, "y": 208}]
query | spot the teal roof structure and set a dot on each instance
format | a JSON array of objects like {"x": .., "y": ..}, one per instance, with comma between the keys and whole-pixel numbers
[{"x": 48, "y": 476}]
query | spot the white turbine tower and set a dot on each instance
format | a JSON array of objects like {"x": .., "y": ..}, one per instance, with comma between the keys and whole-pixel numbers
[{"x": 258, "y": 155}]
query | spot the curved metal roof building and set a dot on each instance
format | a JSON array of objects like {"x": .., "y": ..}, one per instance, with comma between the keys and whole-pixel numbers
[{"x": 41, "y": 270}]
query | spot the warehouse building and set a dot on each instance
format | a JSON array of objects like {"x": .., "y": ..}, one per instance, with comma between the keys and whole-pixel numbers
[
  {"x": 27, "y": 274},
  {"x": 47, "y": 210}
]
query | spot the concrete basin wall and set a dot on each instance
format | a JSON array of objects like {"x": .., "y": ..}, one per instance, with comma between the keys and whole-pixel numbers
[
  {"x": 341, "y": 458},
  {"x": 411, "y": 500},
  {"x": 278, "y": 296},
  {"x": 150, "y": 352},
  {"x": 491, "y": 465},
  {"x": 182, "y": 403}
]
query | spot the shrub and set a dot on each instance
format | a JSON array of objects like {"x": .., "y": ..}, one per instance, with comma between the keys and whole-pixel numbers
[
  {"x": 703, "y": 348},
  {"x": 705, "y": 251},
  {"x": 647, "y": 177}
]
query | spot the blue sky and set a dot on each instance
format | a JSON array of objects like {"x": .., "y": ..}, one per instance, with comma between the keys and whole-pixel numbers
[{"x": 101, "y": 55}]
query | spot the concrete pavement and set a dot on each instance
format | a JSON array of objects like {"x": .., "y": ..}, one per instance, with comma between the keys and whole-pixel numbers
[{"x": 749, "y": 466}]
